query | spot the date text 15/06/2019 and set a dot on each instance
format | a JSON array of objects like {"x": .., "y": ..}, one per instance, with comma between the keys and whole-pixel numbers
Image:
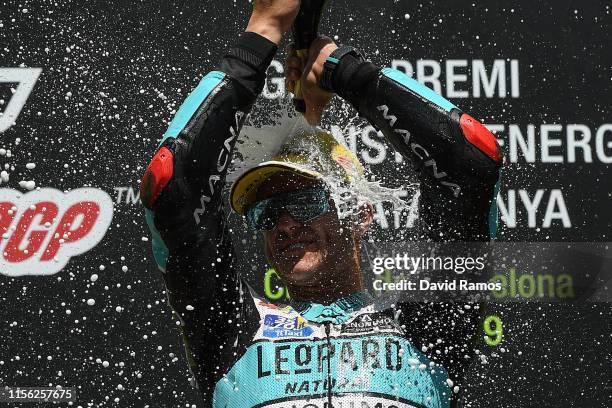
[{"x": 423, "y": 284}]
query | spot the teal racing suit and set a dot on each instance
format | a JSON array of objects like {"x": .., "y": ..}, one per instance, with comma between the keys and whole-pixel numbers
[{"x": 247, "y": 352}]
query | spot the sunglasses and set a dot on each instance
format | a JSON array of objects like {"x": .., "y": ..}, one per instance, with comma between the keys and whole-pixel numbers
[{"x": 303, "y": 206}]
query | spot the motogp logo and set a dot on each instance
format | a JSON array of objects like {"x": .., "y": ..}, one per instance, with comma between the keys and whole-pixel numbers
[{"x": 41, "y": 230}]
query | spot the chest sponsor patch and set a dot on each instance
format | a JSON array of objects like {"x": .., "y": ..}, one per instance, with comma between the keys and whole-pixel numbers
[
  {"x": 369, "y": 322},
  {"x": 276, "y": 326},
  {"x": 341, "y": 401}
]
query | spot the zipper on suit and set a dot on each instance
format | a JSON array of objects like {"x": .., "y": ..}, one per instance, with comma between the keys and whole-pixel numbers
[{"x": 329, "y": 382}]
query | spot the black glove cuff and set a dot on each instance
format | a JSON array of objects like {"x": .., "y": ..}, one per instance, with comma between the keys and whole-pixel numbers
[
  {"x": 341, "y": 56},
  {"x": 254, "y": 50},
  {"x": 248, "y": 61}
]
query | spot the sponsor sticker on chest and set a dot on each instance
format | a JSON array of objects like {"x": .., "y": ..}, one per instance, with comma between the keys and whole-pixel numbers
[
  {"x": 282, "y": 321},
  {"x": 370, "y": 322},
  {"x": 349, "y": 401},
  {"x": 276, "y": 325}
]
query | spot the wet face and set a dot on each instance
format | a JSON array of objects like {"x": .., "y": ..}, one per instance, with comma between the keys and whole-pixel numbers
[{"x": 305, "y": 254}]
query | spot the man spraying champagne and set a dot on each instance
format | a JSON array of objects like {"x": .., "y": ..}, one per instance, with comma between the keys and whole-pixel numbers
[{"x": 332, "y": 345}]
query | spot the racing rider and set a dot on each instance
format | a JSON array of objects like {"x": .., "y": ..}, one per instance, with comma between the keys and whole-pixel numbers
[{"x": 332, "y": 344}]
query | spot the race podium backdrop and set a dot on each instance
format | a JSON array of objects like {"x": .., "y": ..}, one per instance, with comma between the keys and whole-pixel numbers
[{"x": 88, "y": 88}]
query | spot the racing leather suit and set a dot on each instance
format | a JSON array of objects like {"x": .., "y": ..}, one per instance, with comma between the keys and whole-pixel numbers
[{"x": 247, "y": 352}]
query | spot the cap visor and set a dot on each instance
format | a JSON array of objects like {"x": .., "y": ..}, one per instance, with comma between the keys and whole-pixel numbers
[{"x": 244, "y": 190}]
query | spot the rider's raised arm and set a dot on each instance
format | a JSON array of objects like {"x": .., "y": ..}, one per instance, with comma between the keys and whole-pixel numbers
[
  {"x": 181, "y": 187},
  {"x": 181, "y": 190},
  {"x": 458, "y": 159},
  {"x": 459, "y": 163}
]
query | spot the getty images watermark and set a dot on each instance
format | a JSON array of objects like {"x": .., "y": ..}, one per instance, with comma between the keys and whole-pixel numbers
[
  {"x": 498, "y": 271},
  {"x": 403, "y": 264}
]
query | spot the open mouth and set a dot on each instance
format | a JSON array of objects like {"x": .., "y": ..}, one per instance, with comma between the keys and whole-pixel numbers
[{"x": 297, "y": 246}]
